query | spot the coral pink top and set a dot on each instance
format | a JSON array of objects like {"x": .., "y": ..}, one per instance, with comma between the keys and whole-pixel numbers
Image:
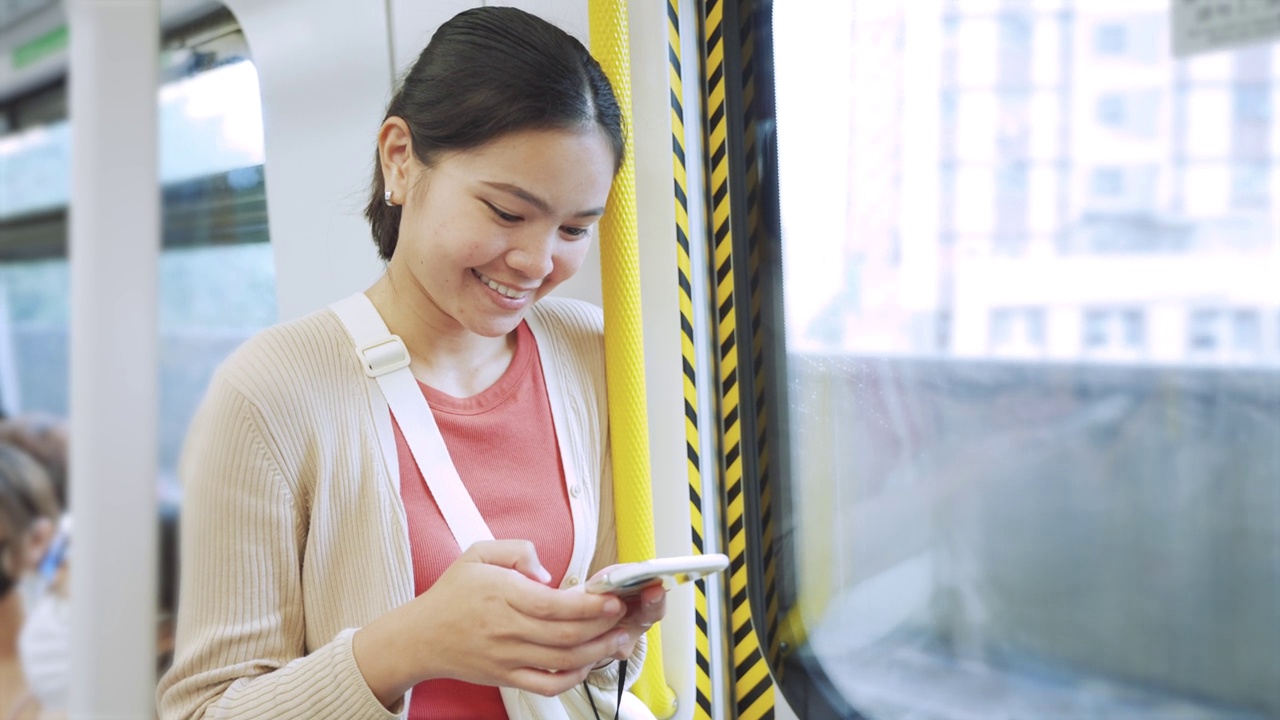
[{"x": 503, "y": 443}]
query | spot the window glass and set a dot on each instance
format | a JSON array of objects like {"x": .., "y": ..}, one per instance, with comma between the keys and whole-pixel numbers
[
  {"x": 1246, "y": 329},
  {"x": 216, "y": 272},
  {"x": 36, "y": 315},
  {"x": 1111, "y": 110},
  {"x": 1133, "y": 324},
  {"x": 1033, "y": 362},
  {"x": 1110, "y": 39},
  {"x": 209, "y": 124},
  {"x": 35, "y": 166}
]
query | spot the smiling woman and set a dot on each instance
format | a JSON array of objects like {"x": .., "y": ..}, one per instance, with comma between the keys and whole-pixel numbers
[
  {"x": 451, "y": 392},
  {"x": 524, "y": 88},
  {"x": 477, "y": 247}
]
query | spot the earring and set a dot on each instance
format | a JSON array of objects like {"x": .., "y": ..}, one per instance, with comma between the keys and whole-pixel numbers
[{"x": 386, "y": 198}]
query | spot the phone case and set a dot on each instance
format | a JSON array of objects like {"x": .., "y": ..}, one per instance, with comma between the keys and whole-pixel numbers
[{"x": 672, "y": 571}]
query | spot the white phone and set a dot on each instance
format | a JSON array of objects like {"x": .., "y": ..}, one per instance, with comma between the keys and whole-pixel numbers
[{"x": 631, "y": 578}]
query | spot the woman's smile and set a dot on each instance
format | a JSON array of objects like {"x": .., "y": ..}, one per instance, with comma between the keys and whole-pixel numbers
[{"x": 504, "y": 290}]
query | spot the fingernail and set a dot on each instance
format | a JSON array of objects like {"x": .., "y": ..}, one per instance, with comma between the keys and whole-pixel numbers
[
  {"x": 622, "y": 640},
  {"x": 612, "y": 606},
  {"x": 542, "y": 574}
]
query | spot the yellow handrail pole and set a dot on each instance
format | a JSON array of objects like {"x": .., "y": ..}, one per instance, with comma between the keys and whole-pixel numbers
[{"x": 624, "y": 342}]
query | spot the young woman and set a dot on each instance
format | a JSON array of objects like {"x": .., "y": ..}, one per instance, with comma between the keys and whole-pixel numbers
[{"x": 320, "y": 577}]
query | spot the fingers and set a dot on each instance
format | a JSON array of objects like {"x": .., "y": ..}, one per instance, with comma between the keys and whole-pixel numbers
[
  {"x": 566, "y": 634},
  {"x": 547, "y": 683},
  {"x": 649, "y": 608},
  {"x": 518, "y": 555},
  {"x": 587, "y": 654},
  {"x": 544, "y": 615},
  {"x": 551, "y": 671},
  {"x": 643, "y": 611},
  {"x": 544, "y": 603}
]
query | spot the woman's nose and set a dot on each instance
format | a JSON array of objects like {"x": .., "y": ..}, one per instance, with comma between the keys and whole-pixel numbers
[{"x": 534, "y": 256}]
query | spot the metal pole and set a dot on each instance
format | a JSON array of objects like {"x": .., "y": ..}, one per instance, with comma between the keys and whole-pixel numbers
[{"x": 114, "y": 252}]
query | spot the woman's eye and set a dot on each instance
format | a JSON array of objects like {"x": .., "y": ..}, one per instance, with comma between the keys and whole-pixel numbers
[
  {"x": 575, "y": 232},
  {"x": 504, "y": 216}
]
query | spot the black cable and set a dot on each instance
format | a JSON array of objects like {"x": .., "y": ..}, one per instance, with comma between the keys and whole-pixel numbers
[{"x": 622, "y": 676}]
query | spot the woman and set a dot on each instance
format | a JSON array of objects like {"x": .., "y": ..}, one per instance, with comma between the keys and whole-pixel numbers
[{"x": 320, "y": 577}]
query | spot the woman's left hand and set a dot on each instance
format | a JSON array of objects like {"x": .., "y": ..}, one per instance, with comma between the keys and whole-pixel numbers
[{"x": 643, "y": 610}]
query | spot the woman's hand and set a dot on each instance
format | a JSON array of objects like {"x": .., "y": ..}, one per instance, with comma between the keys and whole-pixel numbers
[
  {"x": 643, "y": 610},
  {"x": 490, "y": 619}
]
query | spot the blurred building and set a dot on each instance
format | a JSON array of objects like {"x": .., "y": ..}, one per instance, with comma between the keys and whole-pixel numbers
[{"x": 1051, "y": 184}]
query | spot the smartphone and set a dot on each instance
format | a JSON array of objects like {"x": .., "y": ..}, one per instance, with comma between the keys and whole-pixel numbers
[{"x": 631, "y": 578}]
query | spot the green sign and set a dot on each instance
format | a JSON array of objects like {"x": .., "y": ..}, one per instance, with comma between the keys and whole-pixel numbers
[{"x": 39, "y": 48}]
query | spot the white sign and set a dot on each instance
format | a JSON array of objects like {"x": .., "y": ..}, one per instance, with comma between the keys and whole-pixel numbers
[{"x": 1207, "y": 25}]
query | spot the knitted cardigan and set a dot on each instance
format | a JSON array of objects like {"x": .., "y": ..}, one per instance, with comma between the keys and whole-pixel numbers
[{"x": 293, "y": 530}]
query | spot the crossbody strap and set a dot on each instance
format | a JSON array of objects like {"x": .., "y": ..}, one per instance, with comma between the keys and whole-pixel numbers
[{"x": 386, "y": 359}]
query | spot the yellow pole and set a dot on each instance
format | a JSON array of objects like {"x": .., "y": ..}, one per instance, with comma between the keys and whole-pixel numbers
[{"x": 624, "y": 343}]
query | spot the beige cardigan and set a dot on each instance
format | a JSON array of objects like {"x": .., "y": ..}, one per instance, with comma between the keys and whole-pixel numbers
[{"x": 293, "y": 530}]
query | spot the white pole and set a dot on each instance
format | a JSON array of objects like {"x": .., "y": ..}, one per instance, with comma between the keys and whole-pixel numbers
[{"x": 114, "y": 252}]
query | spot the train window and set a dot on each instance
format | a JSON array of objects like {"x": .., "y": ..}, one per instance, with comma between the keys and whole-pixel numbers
[
  {"x": 216, "y": 272},
  {"x": 1032, "y": 388}
]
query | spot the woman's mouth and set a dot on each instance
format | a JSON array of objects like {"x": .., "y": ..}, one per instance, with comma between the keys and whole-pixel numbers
[{"x": 504, "y": 290}]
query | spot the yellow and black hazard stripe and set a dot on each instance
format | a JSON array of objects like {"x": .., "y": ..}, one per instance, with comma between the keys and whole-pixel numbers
[
  {"x": 752, "y": 685},
  {"x": 757, "y": 237},
  {"x": 702, "y": 646}
]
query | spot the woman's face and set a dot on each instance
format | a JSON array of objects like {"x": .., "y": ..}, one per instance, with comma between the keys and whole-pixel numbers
[{"x": 487, "y": 232}]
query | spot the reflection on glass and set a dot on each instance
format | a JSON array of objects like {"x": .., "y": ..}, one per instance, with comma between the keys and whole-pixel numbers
[{"x": 1032, "y": 307}]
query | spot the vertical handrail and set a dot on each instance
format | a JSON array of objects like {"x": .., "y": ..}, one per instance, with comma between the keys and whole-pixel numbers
[
  {"x": 624, "y": 342},
  {"x": 114, "y": 250}
]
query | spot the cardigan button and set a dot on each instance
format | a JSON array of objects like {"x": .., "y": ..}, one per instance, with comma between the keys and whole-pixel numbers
[
  {"x": 571, "y": 581},
  {"x": 575, "y": 491}
]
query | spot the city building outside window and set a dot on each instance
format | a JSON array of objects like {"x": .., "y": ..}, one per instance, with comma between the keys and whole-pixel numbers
[{"x": 1111, "y": 39}]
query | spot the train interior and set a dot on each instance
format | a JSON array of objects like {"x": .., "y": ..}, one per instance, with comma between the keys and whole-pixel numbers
[{"x": 962, "y": 325}]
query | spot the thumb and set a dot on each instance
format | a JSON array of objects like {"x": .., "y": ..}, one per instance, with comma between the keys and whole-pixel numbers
[{"x": 518, "y": 555}]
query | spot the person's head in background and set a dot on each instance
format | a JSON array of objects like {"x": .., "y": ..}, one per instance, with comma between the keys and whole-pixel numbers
[
  {"x": 44, "y": 438},
  {"x": 29, "y": 512}
]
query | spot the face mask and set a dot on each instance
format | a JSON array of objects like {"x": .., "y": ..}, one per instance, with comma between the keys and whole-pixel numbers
[
  {"x": 44, "y": 647},
  {"x": 29, "y": 588}
]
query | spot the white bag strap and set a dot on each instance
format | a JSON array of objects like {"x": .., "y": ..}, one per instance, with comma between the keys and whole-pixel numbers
[{"x": 386, "y": 360}]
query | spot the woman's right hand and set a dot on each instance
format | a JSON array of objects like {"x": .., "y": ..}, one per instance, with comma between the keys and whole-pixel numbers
[{"x": 491, "y": 620}]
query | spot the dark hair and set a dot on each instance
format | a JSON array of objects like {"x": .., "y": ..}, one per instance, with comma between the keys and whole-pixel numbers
[
  {"x": 26, "y": 495},
  {"x": 488, "y": 72},
  {"x": 44, "y": 438}
]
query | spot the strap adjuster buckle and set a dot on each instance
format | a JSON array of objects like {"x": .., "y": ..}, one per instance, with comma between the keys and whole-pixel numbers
[{"x": 384, "y": 356}]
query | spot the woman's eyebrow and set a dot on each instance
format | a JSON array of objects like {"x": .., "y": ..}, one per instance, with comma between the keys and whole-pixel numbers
[{"x": 536, "y": 201}]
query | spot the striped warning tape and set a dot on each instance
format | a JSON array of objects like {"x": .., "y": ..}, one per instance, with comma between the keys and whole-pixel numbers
[
  {"x": 753, "y": 689},
  {"x": 702, "y": 646}
]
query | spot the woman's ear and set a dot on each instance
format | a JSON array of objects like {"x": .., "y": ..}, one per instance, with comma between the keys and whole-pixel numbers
[
  {"x": 395, "y": 154},
  {"x": 39, "y": 537}
]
